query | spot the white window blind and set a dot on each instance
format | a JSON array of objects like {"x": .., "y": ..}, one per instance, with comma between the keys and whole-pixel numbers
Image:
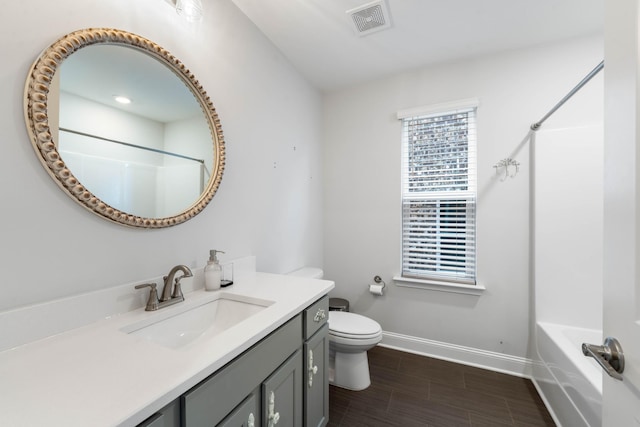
[{"x": 439, "y": 195}]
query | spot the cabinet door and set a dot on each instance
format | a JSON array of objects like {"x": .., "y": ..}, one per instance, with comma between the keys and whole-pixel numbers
[
  {"x": 247, "y": 414},
  {"x": 169, "y": 416},
  {"x": 211, "y": 401},
  {"x": 316, "y": 382},
  {"x": 282, "y": 394}
]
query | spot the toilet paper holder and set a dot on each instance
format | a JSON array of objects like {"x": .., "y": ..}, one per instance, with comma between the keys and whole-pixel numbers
[{"x": 379, "y": 280}]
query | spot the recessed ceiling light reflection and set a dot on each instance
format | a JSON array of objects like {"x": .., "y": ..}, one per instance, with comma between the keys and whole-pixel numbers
[{"x": 122, "y": 99}]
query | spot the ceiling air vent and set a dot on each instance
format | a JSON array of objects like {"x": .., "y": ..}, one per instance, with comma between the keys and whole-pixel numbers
[{"x": 370, "y": 17}]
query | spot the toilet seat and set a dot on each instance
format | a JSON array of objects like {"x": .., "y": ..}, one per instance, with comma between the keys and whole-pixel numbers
[{"x": 353, "y": 326}]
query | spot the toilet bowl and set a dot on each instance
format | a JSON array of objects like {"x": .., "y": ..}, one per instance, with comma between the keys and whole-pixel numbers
[{"x": 351, "y": 335}]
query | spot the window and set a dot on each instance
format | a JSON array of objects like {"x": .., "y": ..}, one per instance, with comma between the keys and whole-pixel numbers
[{"x": 439, "y": 193}]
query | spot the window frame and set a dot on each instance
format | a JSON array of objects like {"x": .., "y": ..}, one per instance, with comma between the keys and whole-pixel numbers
[{"x": 452, "y": 282}]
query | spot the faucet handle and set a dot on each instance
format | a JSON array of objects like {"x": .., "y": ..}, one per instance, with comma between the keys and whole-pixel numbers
[
  {"x": 152, "y": 302},
  {"x": 153, "y": 286},
  {"x": 177, "y": 289}
]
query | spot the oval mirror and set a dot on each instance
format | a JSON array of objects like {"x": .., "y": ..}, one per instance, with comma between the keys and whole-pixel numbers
[{"x": 124, "y": 128}]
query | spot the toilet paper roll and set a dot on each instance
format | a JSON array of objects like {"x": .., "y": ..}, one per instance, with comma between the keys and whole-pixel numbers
[{"x": 376, "y": 289}]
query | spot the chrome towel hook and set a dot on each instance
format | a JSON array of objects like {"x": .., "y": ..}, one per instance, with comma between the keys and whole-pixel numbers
[{"x": 504, "y": 164}]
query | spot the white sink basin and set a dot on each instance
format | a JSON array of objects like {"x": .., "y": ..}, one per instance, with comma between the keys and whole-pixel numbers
[{"x": 206, "y": 320}]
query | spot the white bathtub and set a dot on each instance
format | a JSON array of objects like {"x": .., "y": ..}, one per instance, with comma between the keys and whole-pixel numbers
[{"x": 569, "y": 382}]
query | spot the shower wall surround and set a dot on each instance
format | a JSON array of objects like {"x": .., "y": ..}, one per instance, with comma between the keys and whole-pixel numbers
[{"x": 569, "y": 166}]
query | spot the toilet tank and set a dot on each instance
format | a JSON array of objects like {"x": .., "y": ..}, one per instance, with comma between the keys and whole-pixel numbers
[{"x": 308, "y": 272}]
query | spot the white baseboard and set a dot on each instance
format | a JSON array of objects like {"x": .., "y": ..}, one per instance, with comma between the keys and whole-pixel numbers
[{"x": 512, "y": 365}]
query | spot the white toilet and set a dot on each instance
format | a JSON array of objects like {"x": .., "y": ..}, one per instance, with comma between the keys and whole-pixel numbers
[{"x": 350, "y": 337}]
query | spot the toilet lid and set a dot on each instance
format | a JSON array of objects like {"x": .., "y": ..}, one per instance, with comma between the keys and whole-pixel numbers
[{"x": 352, "y": 325}]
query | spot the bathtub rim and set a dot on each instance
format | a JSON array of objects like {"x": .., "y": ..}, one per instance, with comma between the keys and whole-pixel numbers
[
  {"x": 572, "y": 396},
  {"x": 587, "y": 366}
]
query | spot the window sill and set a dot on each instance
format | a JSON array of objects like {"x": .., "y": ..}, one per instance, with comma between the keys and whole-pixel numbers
[{"x": 433, "y": 285}]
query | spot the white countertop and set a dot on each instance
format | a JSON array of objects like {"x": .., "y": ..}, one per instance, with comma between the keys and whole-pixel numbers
[{"x": 97, "y": 375}]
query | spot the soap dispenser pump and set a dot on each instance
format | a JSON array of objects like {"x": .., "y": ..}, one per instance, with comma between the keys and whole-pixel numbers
[{"x": 212, "y": 272}]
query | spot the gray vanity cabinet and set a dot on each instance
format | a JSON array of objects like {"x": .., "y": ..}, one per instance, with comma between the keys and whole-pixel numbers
[
  {"x": 282, "y": 395},
  {"x": 209, "y": 403},
  {"x": 169, "y": 416},
  {"x": 316, "y": 383},
  {"x": 282, "y": 381},
  {"x": 247, "y": 414},
  {"x": 316, "y": 364}
]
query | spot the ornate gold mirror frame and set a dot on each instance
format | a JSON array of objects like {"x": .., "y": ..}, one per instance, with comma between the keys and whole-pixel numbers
[{"x": 36, "y": 102}]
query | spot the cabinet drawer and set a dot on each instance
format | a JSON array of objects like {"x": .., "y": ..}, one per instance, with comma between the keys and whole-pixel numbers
[
  {"x": 316, "y": 316},
  {"x": 209, "y": 402}
]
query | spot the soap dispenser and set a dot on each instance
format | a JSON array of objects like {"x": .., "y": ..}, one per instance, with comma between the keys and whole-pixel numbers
[{"x": 212, "y": 272}]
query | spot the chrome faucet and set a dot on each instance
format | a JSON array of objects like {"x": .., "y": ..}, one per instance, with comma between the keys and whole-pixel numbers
[{"x": 168, "y": 297}]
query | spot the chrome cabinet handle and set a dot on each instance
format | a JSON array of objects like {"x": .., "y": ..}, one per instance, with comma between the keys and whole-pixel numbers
[
  {"x": 251, "y": 422},
  {"x": 312, "y": 369},
  {"x": 273, "y": 416},
  {"x": 609, "y": 356},
  {"x": 320, "y": 315}
]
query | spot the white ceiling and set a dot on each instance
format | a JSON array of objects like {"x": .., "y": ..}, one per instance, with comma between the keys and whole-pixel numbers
[
  {"x": 318, "y": 36},
  {"x": 101, "y": 71}
]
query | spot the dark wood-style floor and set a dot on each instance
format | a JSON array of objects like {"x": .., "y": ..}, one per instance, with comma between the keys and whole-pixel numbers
[{"x": 411, "y": 390}]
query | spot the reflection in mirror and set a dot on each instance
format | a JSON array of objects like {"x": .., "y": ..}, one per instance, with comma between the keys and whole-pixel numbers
[
  {"x": 154, "y": 162},
  {"x": 150, "y": 156}
]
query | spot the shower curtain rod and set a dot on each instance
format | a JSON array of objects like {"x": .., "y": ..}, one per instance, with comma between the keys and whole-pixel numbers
[
  {"x": 141, "y": 147},
  {"x": 584, "y": 81}
]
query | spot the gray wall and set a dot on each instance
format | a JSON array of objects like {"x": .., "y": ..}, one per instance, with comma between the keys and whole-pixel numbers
[
  {"x": 279, "y": 130},
  {"x": 362, "y": 205},
  {"x": 269, "y": 201}
]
